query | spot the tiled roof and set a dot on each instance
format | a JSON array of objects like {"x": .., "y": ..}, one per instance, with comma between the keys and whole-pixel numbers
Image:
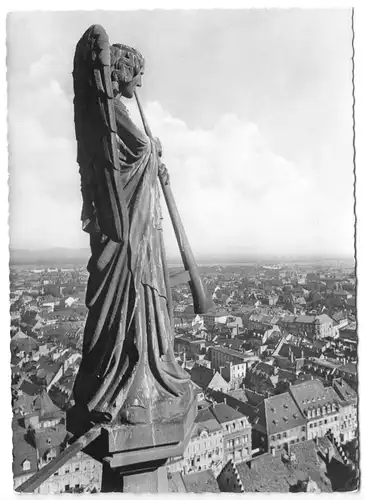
[
  {"x": 50, "y": 438},
  {"x": 201, "y": 482},
  {"x": 312, "y": 394},
  {"x": 305, "y": 319},
  {"x": 44, "y": 405},
  {"x": 210, "y": 425},
  {"x": 233, "y": 353},
  {"x": 254, "y": 398},
  {"x": 203, "y": 376},
  {"x": 204, "y": 415},
  {"x": 275, "y": 474},
  {"x": 348, "y": 368},
  {"x": 232, "y": 343},
  {"x": 288, "y": 319},
  {"x": 29, "y": 388},
  {"x": 224, "y": 413},
  {"x": 297, "y": 351},
  {"x": 282, "y": 414},
  {"x": 23, "y": 450},
  {"x": 239, "y": 394},
  {"x": 346, "y": 393},
  {"x": 323, "y": 318},
  {"x": 264, "y": 367}
]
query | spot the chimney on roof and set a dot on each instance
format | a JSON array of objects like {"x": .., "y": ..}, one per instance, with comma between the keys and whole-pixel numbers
[{"x": 225, "y": 400}]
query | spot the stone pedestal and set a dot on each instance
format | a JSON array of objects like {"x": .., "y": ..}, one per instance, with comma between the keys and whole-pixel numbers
[{"x": 134, "y": 456}]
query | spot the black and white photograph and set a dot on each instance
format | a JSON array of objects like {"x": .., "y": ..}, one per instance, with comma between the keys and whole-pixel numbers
[{"x": 183, "y": 261}]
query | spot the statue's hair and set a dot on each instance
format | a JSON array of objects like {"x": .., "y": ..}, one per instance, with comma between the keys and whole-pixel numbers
[{"x": 126, "y": 63}]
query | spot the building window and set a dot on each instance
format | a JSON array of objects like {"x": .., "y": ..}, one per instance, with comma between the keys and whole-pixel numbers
[
  {"x": 325, "y": 421},
  {"x": 279, "y": 436},
  {"x": 303, "y": 428},
  {"x": 67, "y": 487},
  {"x": 272, "y": 438},
  {"x": 284, "y": 434}
]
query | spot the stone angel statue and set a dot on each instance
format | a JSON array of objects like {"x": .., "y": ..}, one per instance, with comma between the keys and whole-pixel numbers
[{"x": 128, "y": 372}]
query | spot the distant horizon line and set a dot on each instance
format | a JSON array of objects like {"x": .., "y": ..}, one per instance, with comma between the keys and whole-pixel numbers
[{"x": 237, "y": 254}]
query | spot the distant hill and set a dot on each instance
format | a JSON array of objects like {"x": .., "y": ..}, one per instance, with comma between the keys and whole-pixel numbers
[
  {"x": 49, "y": 256},
  {"x": 80, "y": 256}
]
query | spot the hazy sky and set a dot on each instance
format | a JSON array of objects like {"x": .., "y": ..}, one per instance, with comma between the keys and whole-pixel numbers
[{"x": 253, "y": 108}]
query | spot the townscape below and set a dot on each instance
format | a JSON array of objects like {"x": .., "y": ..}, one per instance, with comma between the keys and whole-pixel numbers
[{"x": 274, "y": 367}]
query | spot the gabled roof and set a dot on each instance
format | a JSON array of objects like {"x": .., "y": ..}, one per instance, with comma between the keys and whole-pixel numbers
[
  {"x": 239, "y": 394},
  {"x": 20, "y": 335},
  {"x": 44, "y": 405},
  {"x": 204, "y": 377}
]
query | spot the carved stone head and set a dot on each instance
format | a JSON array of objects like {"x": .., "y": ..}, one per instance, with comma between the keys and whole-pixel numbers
[{"x": 127, "y": 66}]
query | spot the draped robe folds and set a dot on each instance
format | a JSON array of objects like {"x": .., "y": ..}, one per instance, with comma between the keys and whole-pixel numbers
[{"x": 127, "y": 356}]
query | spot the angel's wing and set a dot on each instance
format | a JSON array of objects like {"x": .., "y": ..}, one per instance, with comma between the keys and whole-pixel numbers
[{"x": 95, "y": 127}]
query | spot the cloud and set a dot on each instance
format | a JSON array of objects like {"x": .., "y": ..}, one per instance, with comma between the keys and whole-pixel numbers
[
  {"x": 260, "y": 160},
  {"x": 234, "y": 193}
]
